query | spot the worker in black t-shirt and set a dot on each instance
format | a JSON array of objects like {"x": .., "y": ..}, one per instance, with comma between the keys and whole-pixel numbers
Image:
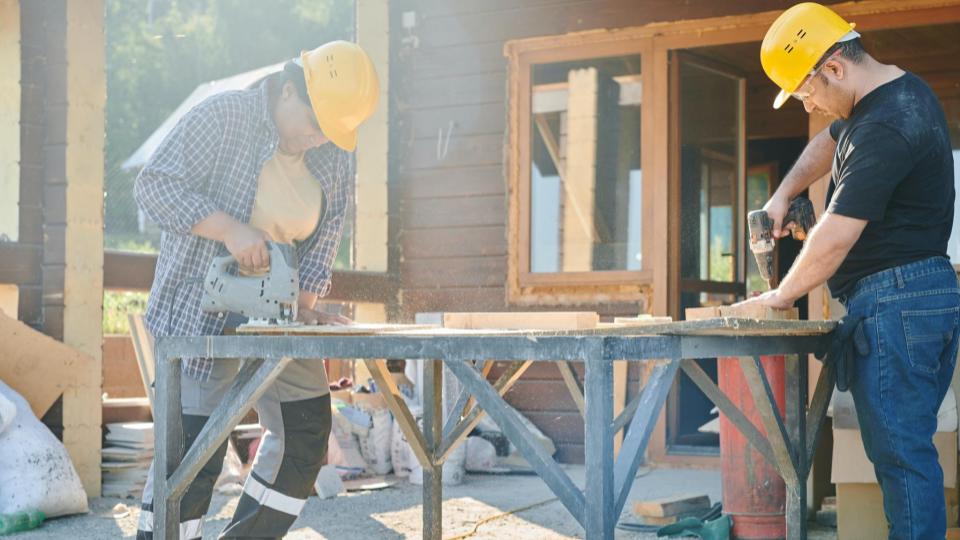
[{"x": 880, "y": 246}]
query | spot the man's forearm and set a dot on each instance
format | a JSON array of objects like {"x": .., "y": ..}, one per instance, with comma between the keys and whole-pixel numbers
[
  {"x": 824, "y": 251},
  {"x": 308, "y": 300},
  {"x": 813, "y": 163},
  {"x": 215, "y": 226}
]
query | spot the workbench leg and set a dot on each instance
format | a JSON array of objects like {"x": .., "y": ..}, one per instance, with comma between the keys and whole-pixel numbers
[
  {"x": 599, "y": 512},
  {"x": 796, "y": 419},
  {"x": 168, "y": 446},
  {"x": 433, "y": 436}
]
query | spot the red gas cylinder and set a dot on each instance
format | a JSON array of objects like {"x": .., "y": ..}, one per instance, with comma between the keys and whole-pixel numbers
[{"x": 754, "y": 495}]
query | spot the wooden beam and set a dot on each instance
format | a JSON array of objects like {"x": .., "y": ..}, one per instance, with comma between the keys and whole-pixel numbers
[
  {"x": 82, "y": 245},
  {"x": 370, "y": 226},
  {"x": 579, "y": 183},
  {"x": 126, "y": 271},
  {"x": 10, "y": 120},
  {"x": 20, "y": 263}
]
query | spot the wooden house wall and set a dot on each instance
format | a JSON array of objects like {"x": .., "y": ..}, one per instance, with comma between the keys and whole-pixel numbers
[{"x": 448, "y": 189}]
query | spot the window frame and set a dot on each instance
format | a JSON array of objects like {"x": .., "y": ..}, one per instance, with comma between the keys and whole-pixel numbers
[{"x": 524, "y": 286}]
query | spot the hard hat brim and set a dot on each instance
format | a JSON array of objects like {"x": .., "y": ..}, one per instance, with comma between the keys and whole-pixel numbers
[
  {"x": 781, "y": 98},
  {"x": 344, "y": 140}
]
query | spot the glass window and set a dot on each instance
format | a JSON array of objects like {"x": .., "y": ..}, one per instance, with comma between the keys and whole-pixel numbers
[{"x": 585, "y": 176}]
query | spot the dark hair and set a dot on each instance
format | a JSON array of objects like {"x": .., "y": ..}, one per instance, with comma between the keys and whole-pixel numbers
[
  {"x": 275, "y": 81},
  {"x": 852, "y": 50}
]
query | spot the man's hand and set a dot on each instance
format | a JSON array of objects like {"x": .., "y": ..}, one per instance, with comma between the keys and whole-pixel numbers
[
  {"x": 248, "y": 245},
  {"x": 777, "y": 208},
  {"x": 771, "y": 299},
  {"x": 311, "y": 317}
]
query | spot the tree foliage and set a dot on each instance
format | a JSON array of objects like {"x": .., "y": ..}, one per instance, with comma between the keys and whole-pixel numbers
[{"x": 158, "y": 51}]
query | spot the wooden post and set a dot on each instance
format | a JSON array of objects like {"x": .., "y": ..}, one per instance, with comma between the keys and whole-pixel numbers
[
  {"x": 433, "y": 436},
  {"x": 600, "y": 517},
  {"x": 9, "y": 125},
  {"x": 370, "y": 228},
  {"x": 74, "y": 250},
  {"x": 580, "y": 178}
]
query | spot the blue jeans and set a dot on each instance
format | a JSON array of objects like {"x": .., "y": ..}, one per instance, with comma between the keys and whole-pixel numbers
[{"x": 912, "y": 323}]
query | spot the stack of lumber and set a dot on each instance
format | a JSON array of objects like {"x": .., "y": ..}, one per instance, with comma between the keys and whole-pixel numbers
[
  {"x": 126, "y": 458},
  {"x": 667, "y": 511}
]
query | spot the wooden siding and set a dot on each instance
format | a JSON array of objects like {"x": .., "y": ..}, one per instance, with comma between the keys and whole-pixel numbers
[{"x": 448, "y": 124}]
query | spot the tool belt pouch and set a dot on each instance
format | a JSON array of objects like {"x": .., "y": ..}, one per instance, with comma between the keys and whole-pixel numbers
[{"x": 849, "y": 342}]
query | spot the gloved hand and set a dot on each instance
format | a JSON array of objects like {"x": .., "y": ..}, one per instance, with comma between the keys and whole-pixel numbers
[{"x": 849, "y": 342}]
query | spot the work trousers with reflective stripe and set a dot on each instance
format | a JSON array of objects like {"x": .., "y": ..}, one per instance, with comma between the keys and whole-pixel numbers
[{"x": 295, "y": 415}]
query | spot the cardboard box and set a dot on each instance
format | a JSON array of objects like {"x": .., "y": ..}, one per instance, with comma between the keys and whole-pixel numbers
[
  {"x": 860, "y": 511},
  {"x": 859, "y": 499},
  {"x": 851, "y": 466}
]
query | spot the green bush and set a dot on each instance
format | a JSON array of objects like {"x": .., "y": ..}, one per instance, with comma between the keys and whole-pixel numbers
[{"x": 116, "y": 307}]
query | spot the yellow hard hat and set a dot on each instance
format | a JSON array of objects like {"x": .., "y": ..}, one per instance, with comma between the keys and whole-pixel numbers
[
  {"x": 343, "y": 89},
  {"x": 795, "y": 43}
]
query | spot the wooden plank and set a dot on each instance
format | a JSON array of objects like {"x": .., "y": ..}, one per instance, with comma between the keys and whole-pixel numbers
[
  {"x": 468, "y": 89},
  {"x": 454, "y": 271},
  {"x": 431, "y": 63},
  {"x": 453, "y": 212},
  {"x": 440, "y": 183},
  {"x": 37, "y": 366},
  {"x": 518, "y": 320},
  {"x": 19, "y": 263},
  {"x": 573, "y": 385},
  {"x": 751, "y": 311},
  {"x": 405, "y": 420},
  {"x": 127, "y": 271},
  {"x": 355, "y": 329},
  {"x": 467, "y": 298},
  {"x": 143, "y": 346},
  {"x": 619, "y": 399},
  {"x": 461, "y": 150},
  {"x": 487, "y": 241},
  {"x": 672, "y": 506},
  {"x": 522, "y": 21},
  {"x": 441, "y": 122}
]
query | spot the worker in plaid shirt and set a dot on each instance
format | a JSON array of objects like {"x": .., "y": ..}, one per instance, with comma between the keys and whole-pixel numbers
[{"x": 240, "y": 169}]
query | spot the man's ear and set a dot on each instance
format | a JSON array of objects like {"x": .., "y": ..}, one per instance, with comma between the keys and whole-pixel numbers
[
  {"x": 836, "y": 68},
  {"x": 287, "y": 90}
]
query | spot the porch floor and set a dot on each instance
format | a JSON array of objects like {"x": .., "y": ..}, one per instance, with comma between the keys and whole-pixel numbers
[{"x": 394, "y": 513}]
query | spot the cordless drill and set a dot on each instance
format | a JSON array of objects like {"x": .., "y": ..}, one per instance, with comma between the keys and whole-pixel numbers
[{"x": 761, "y": 234}]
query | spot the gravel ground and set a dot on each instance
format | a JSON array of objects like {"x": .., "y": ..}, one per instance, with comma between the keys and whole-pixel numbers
[{"x": 394, "y": 513}]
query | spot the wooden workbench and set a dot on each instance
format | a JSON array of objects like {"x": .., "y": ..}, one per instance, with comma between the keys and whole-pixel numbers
[{"x": 788, "y": 442}]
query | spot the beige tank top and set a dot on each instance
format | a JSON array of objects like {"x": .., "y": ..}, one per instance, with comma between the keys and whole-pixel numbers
[{"x": 289, "y": 199}]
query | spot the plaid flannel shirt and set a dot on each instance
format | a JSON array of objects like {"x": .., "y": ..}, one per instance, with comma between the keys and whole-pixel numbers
[{"x": 211, "y": 161}]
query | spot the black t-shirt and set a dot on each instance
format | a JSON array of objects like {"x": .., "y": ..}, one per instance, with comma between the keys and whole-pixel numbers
[{"x": 893, "y": 168}]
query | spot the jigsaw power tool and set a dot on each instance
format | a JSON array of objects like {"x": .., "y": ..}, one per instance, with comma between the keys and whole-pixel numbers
[
  {"x": 762, "y": 241},
  {"x": 269, "y": 299}
]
